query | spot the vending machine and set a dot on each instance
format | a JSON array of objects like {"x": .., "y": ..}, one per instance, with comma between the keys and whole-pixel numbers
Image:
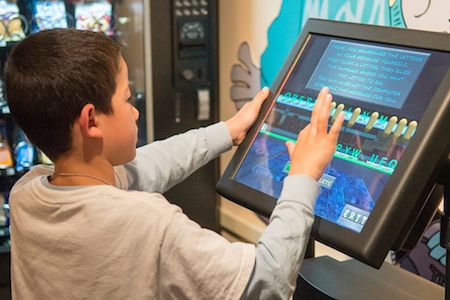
[
  {"x": 18, "y": 19},
  {"x": 185, "y": 91},
  {"x": 171, "y": 50},
  {"x": 178, "y": 80},
  {"x": 170, "y": 47}
]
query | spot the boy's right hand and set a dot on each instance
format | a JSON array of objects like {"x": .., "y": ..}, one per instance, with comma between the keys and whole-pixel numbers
[{"x": 315, "y": 146}]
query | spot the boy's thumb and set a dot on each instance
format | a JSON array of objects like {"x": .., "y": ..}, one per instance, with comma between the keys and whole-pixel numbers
[{"x": 262, "y": 94}]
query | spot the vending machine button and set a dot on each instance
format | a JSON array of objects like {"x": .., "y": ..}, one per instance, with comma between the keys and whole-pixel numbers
[{"x": 187, "y": 74}]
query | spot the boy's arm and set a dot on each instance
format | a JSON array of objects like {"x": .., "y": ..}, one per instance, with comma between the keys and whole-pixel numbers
[
  {"x": 162, "y": 164},
  {"x": 194, "y": 257},
  {"x": 281, "y": 248}
]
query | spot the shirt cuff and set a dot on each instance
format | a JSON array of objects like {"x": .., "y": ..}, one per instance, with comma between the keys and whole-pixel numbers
[
  {"x": 218, "y": 138},
  {"x": 300, "y": 188}
]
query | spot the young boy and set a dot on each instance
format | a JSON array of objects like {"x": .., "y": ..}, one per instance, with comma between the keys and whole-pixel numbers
[{"x": 96, "y": 225}]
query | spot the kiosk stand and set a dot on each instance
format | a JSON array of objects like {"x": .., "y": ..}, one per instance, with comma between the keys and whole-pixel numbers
[{"x": 326, "y": 278}]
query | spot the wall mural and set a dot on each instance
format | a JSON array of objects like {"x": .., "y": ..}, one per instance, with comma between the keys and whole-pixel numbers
[
  {"x": 433, "y": 15},
  {"x": 247, "y": 79}
]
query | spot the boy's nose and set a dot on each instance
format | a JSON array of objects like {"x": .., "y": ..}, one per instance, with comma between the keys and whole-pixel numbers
[{"x": 136, "y": 113}]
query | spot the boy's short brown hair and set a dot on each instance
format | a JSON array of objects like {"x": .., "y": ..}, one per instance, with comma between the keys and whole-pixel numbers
[{"x": 51, "y": 75}]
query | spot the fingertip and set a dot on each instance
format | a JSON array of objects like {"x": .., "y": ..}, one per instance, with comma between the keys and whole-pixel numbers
[
  {"x": 262, "y": 94},
  {"x": 340, "y": 118},
  {"x": 338, "y": 123},
  {"x": 327, "y": 104}
]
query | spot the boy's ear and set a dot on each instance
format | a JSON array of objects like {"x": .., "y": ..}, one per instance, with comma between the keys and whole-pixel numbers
[{"x": 88, "y": 122}]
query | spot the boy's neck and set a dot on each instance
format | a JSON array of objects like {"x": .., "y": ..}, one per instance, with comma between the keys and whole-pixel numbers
[{"x": 71, "y": 171}]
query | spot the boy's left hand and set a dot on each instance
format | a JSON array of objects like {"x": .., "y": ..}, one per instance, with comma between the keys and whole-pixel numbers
[{"x": 240, "y": 123}]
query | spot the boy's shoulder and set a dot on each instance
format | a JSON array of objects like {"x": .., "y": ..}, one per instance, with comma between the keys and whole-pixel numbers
[
  {"x": 35, "y": 172},
  {"x": 34, "y": 187}
]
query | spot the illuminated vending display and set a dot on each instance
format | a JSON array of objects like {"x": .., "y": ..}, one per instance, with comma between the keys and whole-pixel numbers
[
  {"x": 21, "y": 18},
  {"x": 94, "y": 16},
  {"x": 13, "y": 25},
  {"x": 51, "y": 14}
]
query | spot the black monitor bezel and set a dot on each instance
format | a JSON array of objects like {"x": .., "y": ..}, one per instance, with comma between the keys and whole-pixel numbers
[{"x": 415, "y": 175}]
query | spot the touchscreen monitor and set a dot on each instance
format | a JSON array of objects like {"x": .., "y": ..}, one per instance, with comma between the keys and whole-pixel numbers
[{"x": 385, "y": 83}]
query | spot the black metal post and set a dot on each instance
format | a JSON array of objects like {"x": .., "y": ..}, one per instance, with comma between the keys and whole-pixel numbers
[{"x": 445, "y": 224}]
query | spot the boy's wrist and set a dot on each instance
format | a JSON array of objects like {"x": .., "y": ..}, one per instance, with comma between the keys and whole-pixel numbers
[
  {"x": 233, "y": 129},
  {"x": 309, "y": 187},
  {"x": 314, "y": 174}
]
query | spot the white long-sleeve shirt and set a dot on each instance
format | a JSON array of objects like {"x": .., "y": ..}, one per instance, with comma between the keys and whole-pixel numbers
[{"x": 129, "y": 242}]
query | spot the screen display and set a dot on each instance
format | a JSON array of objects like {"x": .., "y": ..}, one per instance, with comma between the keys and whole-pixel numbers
[
  {"x": 383, "y": 91},
  {"x": 94, "y": 16},
  {"x": 50, "y": 14},
  {"x": 13, "y": 26}
]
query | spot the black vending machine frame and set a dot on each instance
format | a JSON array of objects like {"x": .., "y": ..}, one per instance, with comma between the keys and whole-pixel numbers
[{"x": 177, "y": 83}]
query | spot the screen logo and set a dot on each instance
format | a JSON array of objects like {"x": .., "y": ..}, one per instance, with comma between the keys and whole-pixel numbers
[
  {"x": 353, "y": 217},
  {"x": 326, "y": 181}
]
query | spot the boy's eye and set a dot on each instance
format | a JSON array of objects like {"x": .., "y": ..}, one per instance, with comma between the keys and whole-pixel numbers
[{"x": 131, "y": 100}]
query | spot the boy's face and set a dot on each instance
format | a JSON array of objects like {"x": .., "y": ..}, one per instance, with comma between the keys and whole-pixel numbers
[{"x": 120, "y": 128}]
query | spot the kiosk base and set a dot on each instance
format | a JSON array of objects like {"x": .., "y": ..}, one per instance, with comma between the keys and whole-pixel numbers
[{"x": 326, "y": 278}]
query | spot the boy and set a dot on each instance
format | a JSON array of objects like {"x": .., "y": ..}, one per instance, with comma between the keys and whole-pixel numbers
[{"x": 96, "y": 226}]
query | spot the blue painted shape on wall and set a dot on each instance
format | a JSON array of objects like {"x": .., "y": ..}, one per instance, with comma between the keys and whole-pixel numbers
[{"x": 294, "y": 13}]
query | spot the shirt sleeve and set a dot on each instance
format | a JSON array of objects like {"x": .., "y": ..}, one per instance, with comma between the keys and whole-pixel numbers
[
  {"x": 162, "y": 164},
  {"x": 281, "y": 248},
  {"x": 197, "y": 263}
]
